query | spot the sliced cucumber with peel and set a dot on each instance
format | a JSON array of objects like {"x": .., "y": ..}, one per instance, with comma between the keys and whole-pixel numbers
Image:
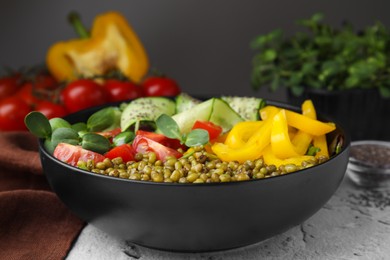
[
  {"x": 214, "y": 110},
  {"x": 146, "y": 110},
  {"x": 185, "y": 102},
  {"x": 247, "y": 107}
]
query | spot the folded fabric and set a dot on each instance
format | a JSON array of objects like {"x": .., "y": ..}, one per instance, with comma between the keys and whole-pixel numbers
[{"x": 34, "y": 223}]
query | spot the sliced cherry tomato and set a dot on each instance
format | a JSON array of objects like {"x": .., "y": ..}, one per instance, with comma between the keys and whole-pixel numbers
[
  {"x": 143, "y": 144},
  {"x": 119, "y": 90},
  {"x": 12, "y": 113},
  {"x": 83, "y": 93},
  {"x": 71, "y": 154},
  {"x": 213, "y": 129},
  {"x": 162, "y": 139},
  {"x": 9, "y": 85},
  {"x": 50, "y": 109},
  {"x": 160, "y": 86},
  {"x": 125, "y": 151}
]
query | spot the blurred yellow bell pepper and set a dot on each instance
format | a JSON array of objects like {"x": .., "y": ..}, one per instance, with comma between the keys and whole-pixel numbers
[{"x": 113, "y": 45}]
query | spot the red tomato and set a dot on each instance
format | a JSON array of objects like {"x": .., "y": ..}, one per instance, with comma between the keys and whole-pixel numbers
[
  {"x": 71, "y": 154},
  {"x": 119, "y": 90},
  {"x": 213, "y": 129},
  {"x": 125, "y": 151},
  {"x": 160, "y": 86},
  {"x": 9, "y": 85},
  {"x": 162, "y": 139},
  {"x": 26, "y": 93},
  {"x": 83, "y": 93},
  {"x": 143, "y": 144},
  {"x": 12, "y": 113},
  {"x": 45, "y": 82},
  {"x": 50, "y": 109}
]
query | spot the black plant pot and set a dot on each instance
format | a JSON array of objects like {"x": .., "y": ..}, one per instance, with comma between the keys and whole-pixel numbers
[{"x": 362, "y": 112}]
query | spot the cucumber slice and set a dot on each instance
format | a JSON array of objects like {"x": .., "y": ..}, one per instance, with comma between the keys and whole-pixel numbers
[
  {"x": 214, "y": 110},
  {"x": 146, "y": 110},
  {"x": 224, "y": 115},
  {"x": 186, "y": 119},
  {"x": 185, "y": 102},
  {"x": 247, "y": 107}
]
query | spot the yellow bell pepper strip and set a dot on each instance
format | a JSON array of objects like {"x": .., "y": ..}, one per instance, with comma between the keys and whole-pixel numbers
[
  {"x": 280, "y": 140},
  {"x": 320, "y": 142},
  {"x": 228, "y": 154},
  {"x": 268, "y": 112},
  {"x": 270, "y": 158},
  {"x": 302, "y": 140},
  {"x": 113, "y": 45},
  {"x": 241, "y": 132},
  {"x": 308, "y": 109},
  {"x": 250, "y": 150},
  {"x": 308, "y": 125}
]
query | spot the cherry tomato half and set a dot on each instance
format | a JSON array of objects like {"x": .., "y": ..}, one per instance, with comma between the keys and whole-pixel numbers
[
  {"x": 213, "y": 129},
  {"x": 125, "y": 151},
  {"x": 160, "y": 86},
  {"x": 83, "y": 93},
  {"x": 162, "y": 139},
  {"x": 119, "y": 90},
  {"x": 12, "y": 113},
  {"x": 143, "y": 144},
  {"x": 71, "y": 154}
]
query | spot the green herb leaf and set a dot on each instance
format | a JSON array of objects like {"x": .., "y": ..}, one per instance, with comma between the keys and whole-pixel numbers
[
  {"x": 123, "y": 138},
  {"x": 105, "y": 119},
  {"x": 312, "y": 150},
  {"x": 58, "y": 122},
  {"x": 48, "y": 144},
  {"x": 197, "y": 137},
  {"x": 80, "y": 127},
  {"x": 64, "y": 135},
  {"x": 96, "y": 143},
  {"x": 168, "y": 127},
  {"x": 38, "y": 124}
]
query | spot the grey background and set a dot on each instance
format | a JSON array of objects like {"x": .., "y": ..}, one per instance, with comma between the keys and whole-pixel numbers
[{"x": 203, "y": 44}]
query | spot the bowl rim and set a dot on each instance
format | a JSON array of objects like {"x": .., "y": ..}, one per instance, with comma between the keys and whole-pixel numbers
[{"x": 345, "y": 148}]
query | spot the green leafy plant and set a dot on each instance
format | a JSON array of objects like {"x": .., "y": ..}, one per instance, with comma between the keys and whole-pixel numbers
[{"x": 324, "y": 57}]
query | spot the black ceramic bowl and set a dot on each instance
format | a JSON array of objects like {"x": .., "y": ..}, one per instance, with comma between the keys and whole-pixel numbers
[{"x": 195, "y": 217}]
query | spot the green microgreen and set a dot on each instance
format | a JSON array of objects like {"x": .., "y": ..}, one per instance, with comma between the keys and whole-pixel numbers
[
  {"x": 104, "y": 119},
  {"x": 123, "y": 138},
  {"x": 38, "y": 124},
  {"x": 95, "y": 142},
  {"x": 168, "y": 127}
]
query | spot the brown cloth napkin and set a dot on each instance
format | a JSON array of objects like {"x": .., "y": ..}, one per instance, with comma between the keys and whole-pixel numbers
[{"x": 34, "y": 223}]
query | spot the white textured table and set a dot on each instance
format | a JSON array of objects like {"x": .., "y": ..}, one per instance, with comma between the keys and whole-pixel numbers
[{"x": 354, "y": 224}]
